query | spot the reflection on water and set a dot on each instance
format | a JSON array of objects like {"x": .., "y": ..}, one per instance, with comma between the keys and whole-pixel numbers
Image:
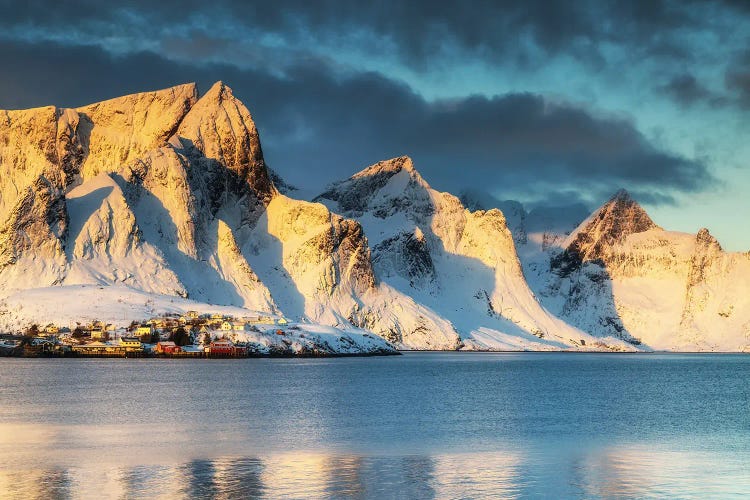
[
  {"x": 280, "y": 476},
  {"x": 413, "y": 426},
  {"x": 639, "y": 471},
  {"x": 608, "y": 473}
]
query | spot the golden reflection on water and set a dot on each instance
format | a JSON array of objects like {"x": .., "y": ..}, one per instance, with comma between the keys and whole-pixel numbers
[
  {"x": 617, "y": 472},
  {"x": 640, "y": 471},
  {"x": 289, "y": 475},
  {"x": 49, "y": 462}
]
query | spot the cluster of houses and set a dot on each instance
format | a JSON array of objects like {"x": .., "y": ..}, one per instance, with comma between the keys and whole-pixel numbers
[
  {"x": 197, "y": 324},
  {"x": 169, "y": 335}
]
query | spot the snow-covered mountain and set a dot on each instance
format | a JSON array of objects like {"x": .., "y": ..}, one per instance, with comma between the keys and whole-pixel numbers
[
  {"x": 167, "y": 192},
  {"x": 620, "y": 274},
  {"x": 458, "y": 263},
  {"x": 165, "y": 196}
]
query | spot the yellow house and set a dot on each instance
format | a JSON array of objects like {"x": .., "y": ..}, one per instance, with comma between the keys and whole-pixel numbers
[
  {"x": 281, "y": 321},
  {"x": 192, "y": 314},
  {"x": 131, "y": 343},
  {"x": 99, "y": 334},
  {"x": 226, "y": 326},
  {"x": 144, "y": 330}
]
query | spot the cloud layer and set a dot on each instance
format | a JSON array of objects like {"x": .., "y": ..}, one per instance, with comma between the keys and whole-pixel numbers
[{"x": 304, "y": 71}]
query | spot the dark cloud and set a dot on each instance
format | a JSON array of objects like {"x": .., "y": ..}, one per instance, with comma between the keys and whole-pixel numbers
[
  {"x": 422, "y": 32},
  {"x": 318, "y": 126},
  {"x": 738, "y": 81},
  {"x": 737, "y": 78},
  {"x": 686, "y": 90}
]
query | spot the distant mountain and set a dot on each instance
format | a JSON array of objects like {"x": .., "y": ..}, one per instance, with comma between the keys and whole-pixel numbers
[
  {"x": 165, "y": 196},
  {"x": 620, "y": 274},
  {"x": 550, "y": 219}
]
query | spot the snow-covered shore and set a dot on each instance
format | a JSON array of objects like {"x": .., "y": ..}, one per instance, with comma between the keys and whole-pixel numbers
[{"x": 120, "y": 306}]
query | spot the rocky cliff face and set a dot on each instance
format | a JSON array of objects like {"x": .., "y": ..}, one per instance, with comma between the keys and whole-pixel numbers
[{"x": 32, "y": 241}]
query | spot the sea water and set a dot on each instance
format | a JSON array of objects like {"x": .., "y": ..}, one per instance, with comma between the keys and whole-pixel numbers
[{"x": 421, "y": 425}]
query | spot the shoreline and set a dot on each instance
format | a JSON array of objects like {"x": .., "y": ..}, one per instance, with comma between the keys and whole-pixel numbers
[{"x": 19, "y": 353}]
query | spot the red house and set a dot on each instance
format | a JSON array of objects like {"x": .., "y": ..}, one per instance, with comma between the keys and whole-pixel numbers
[
  {"x": 222, "y": 347},
  {"x": 167, "y": 347},
  {"x": 226, "y": 348}
]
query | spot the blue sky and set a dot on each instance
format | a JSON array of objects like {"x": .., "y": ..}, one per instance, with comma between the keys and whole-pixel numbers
[{"x": 544, "y": 102}]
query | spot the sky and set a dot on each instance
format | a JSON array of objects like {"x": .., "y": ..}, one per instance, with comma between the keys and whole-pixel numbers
[{"x": 545, "y": 102}]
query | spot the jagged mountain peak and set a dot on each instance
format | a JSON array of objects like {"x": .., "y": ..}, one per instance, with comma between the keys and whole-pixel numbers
[
  {"x": 386, "y": 169},
  {"x": 624, "y": 216},
  {"x": 623, "y": 208},
  {"x": 622, "y": 194},
  {"x": 706, "y": 239},
  {"x": 219, "y": 91},
  {"x": 221, "y": 127},
  {"x": 595, "y": 238},
  {"x": 383, "y": 187},
  {"x": 618, "y": 218},
  {"x": 391, "y": 166}
]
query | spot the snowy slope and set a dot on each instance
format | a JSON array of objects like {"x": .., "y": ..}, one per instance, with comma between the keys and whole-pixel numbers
[
  {"x": 120, "y": 305},
  {"x": 620, "y": 274},
  {"x": 458, "y": 263}
]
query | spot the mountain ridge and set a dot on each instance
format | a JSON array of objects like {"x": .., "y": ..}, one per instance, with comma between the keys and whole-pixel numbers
[{"x": 168, "y": 193}]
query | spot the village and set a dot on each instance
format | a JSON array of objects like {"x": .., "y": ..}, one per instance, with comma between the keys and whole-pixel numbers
[{"x": 172, "y": 335}]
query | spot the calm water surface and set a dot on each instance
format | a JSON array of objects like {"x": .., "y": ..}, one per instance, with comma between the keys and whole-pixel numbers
[{"x": 422, "y": 425}]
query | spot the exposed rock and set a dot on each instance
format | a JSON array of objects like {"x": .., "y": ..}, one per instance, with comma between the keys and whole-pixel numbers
[
  {"x": 406, "y": 255},
  {"x": 620, "y": 217},
  {"x": 221, "y": 128},
  {"x": 32, "y": 239}
]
